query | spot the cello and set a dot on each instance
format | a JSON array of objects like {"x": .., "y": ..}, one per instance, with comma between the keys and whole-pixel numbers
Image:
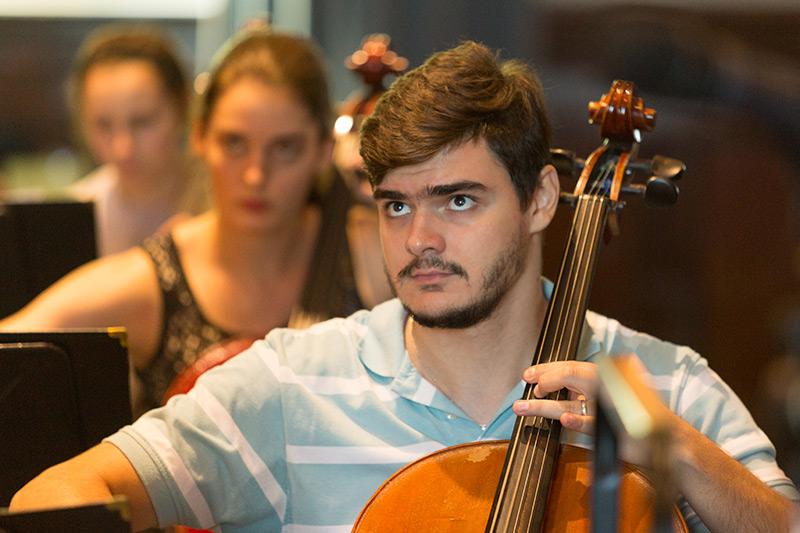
[{"x": 533, "y": 483}]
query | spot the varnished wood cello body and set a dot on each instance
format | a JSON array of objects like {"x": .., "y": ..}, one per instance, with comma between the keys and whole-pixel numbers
[
  {"x": 533, "y": 483},
  {"x": 452, "y": 491}
]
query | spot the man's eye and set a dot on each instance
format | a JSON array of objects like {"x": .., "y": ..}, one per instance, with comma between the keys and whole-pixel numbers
[
  {"x": 460, "y": 202},
  {"x": 397, "y": 209}
]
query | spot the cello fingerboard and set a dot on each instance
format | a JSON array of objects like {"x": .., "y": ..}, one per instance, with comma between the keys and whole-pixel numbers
[{"x": 521, "y": 498}]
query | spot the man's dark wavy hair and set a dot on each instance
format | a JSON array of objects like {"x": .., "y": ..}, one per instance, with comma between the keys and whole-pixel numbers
[{"x": 459, "y": 95}]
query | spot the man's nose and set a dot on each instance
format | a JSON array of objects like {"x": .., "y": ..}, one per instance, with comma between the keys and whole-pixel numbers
[{"x": 424, "y": 234}]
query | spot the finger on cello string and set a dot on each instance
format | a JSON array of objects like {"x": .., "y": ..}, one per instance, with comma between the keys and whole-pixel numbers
[
  {"x": 578, "y": 376},
  {"x": 568, "y": 412}
]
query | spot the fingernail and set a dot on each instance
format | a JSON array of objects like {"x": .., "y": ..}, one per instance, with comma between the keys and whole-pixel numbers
[
  {"x": 571, "y": 421},
  {"x": 521, "y": 405}
]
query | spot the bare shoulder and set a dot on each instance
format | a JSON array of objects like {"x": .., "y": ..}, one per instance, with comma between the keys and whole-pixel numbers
[
  {"x": 109, "y": 289},
  {"x": 192, "y": 236}
]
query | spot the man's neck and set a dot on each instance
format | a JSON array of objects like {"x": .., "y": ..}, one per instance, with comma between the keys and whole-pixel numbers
[{"x": 477, "y": 367}]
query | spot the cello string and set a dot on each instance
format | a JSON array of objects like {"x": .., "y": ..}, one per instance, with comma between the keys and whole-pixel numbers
[
  {"x": 529, "y": 457},
  {"x": 576, "y": 303},
  {"x": 580, "y": 255},
  {"x": 525, "y": 459},
  {"x": 546, "y": 331},
  {"x": 580, "y": 263},
  {"x": 578, "y": 277},
  {"x": 583, "y": 278},
  {"x": 598, "y": 221}
]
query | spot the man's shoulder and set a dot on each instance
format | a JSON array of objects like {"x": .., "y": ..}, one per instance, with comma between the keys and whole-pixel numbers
[
  {"x": 614, "y": 338},
  {"x": 332, "y": 342}
]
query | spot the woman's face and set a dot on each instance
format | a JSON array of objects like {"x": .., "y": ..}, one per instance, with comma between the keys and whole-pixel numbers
[
  {"x": 130, "y": 121},
  {"x": 263, "y": 149}
]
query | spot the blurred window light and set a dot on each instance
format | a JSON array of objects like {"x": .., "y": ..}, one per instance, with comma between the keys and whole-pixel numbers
[
  {"x": 156, "y": 9},
  {"x": 343, "y": 124}
]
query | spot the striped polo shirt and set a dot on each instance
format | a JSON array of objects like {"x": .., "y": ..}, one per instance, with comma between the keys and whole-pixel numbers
[{"x": 297, "y": 432}]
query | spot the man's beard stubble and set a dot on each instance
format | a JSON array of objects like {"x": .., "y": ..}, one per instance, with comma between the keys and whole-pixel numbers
[{"x": 496, "y": 283}]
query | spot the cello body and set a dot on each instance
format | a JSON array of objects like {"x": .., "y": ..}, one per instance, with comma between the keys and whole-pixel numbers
[{"x": 452, "y": 491}]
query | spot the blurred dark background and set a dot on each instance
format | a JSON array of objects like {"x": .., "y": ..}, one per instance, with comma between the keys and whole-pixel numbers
[{"x": 718, "y": 271}]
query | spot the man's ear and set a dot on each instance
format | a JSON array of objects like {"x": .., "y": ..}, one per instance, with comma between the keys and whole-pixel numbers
[{"x": 545, "y": 200}]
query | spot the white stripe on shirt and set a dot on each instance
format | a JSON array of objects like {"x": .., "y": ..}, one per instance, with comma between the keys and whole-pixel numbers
[
  {"x": 324, "y": 385},
  {"x": 155, "y": 431},
  {"x": 770, "y": 473},
  {"x": 334, "y": 455},
  {"x": 337, "y": 325},
  {"x": 258, "y": 469},
  {"x": 744, "y": 444},
  {"x": 696, "y": 386}
]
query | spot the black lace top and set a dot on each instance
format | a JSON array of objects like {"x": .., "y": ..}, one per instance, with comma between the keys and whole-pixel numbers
[{"x": 330, "y": 290}]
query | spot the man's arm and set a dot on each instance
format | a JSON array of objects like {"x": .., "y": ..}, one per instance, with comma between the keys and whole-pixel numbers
[
  {"x": 723, "y": 492},
  {"x": 92, "y": 476}
]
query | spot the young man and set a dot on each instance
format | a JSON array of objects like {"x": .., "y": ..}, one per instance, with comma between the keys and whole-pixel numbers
[{"x": 298, "y": 431}]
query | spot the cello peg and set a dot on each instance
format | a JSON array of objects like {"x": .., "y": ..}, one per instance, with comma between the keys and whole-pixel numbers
[
  {"x": 565, "y": 162},
  {"x": 661, "y": 166},
  {"x": 660, "y": 192},
  {"x": 667, "y": 167},
  {"x": 567, "y": 199},
  {"x": 633, "y": 189}
]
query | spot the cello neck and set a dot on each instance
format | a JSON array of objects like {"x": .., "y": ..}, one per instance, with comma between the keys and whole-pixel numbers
[
  {"x": 566, "y": 310},
  {"x": 524, "y": 485}
]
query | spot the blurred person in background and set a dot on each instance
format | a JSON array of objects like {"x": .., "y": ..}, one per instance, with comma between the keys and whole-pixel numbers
[
  {"x": 273, "y": 249},
  {"x": 372, "y": 62},
  {"x": 129, "y": 97}
]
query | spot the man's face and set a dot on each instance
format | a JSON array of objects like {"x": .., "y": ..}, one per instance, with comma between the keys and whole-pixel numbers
[{"x": 455, "y": 240}]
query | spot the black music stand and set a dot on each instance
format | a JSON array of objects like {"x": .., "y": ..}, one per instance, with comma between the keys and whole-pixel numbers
[
  {"x": 60, "y": 393},
  {"x": 109, "y": 517},
  {"x": 41, "y": 242},
  {"x": 625, "y": 405}
]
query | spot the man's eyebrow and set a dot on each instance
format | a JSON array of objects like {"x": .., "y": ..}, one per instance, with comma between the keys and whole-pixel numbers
[
  {"x": 388, "y": 194},
  {"x": 452, "y": 188},
  {"x": 430, "y": 191}
]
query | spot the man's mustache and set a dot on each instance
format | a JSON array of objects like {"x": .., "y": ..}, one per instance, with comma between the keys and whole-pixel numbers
[{"x": 432, "y": 261}]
